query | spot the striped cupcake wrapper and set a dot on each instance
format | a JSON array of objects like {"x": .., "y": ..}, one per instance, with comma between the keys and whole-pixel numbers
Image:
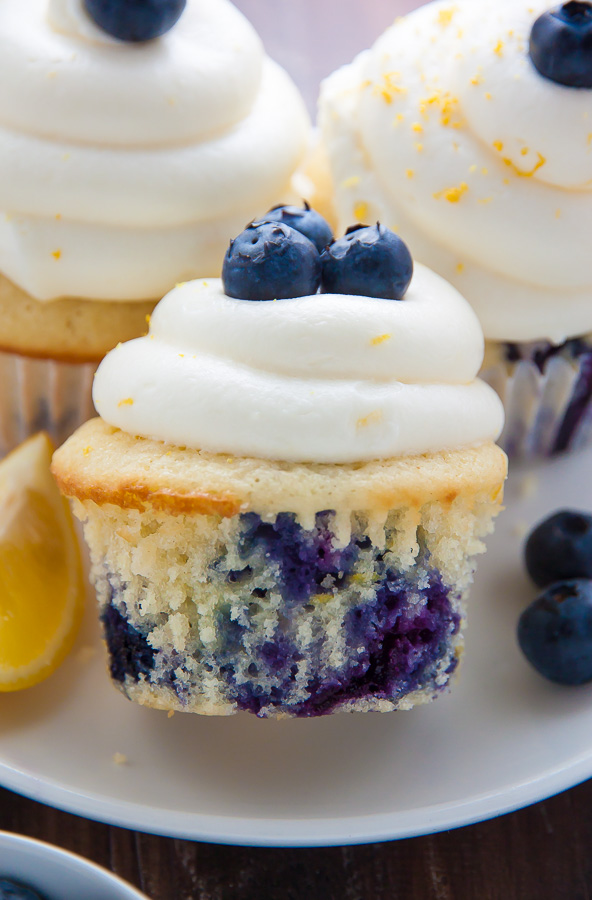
[
  {"x": 42, "y": 395},
  {"x": 549, "y": 411}
]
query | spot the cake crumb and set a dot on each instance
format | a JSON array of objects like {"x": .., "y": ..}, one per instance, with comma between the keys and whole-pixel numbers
[
  {"x": 529, "y": 486},
  {"x": 170, "y": 713},
  {"x": 120, "y": 759},
  {"x": 85, "y": 654}
]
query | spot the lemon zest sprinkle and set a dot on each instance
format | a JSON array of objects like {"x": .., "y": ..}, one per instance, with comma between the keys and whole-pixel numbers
[
  {"x": 521, "y": 173},
  {"x": 380, "y": 339},
  {"x": 56, "y": 254},
  {"x": 372, "y": 418},
  {"x": 127, "y": 402},
  {"x": 453, "y": 194},
  {"x": 361, "y": 211},
  {"x": 351, "y": 182},
  {"x": 445, "y": 16}
]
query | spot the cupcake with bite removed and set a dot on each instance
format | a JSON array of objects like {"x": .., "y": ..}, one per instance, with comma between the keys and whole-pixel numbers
[
  {"x": 289, "y": 481},
  {"x": 467, "y": 129},
  {"x": 136, "y": 139}
]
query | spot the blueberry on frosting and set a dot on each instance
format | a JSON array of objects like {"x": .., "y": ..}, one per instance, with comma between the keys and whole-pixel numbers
[
  {"x": 367, "y": 261},
  {"x": 561, "y": 44},
  {"x": 307, "y": 221},
  {"x": 271, "y": 261},
  {"x": 135, "y": 20}
]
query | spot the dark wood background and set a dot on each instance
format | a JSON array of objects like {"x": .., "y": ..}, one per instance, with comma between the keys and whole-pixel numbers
[{"x": 540, "y": 853}]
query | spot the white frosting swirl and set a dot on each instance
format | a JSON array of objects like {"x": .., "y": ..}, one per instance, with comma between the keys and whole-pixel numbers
[
  {"x": 446, "y": 132},
  {"x": 127, "y": 167},
  {"x": 325, "y": 378}
]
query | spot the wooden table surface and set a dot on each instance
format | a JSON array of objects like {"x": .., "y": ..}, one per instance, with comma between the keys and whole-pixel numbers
[{"x": 543, "y": 853}]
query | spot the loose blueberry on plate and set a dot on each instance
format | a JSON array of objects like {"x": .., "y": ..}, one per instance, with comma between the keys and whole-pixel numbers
[
  {"x": 271, "y": 261},
  {"x": 307, "y": 221},
  {"x": 561, "y": 44},
  {"x": 369, "y": 261},
  {"x": 560, "y": 547},
  {"x": 12, "y": 890},
  {"x": 555, "y": 632},
  {"x": 135, "y": 20}
]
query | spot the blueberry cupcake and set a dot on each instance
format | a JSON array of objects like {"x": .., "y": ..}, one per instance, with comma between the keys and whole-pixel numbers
[
  {"x": 136, "y": 139},
  {"x": 467, "y": 129},
  {"x": 283, "y": 499}
]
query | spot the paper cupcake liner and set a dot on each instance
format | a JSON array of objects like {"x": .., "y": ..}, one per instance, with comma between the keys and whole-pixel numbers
[
  {"x": 42, "y": 395},
  {"x": 547, "y": 400}
]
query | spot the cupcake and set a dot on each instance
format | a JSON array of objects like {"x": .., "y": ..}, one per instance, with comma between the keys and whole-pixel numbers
[
  {"x": 283, "y": 499},
  {"x": 134, "y": 144},
  {"x": 466, "y": 128}
]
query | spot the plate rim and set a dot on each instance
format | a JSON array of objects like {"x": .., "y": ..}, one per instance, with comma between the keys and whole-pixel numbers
[{"x": 299, "y": 832}]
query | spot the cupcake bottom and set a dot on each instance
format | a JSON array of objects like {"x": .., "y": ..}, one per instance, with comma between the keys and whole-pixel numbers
[
  {"x": 48, "y": 355},
  {"x": 546, "y": 390},
  {"x": 68, "y": 329},
  {"x": 280, "y": 612}
]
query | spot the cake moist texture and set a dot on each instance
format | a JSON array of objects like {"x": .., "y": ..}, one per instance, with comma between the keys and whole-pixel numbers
[{"x": 216, "y": 615}]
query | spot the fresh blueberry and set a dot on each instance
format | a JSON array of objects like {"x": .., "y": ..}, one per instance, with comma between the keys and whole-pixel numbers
[
  {"x": 12, "y": 890},
  {"x": 368, "y": 261},
  {"x": 560, "y": 548},
  {"x": 135, "y": 20},
  {"x": 307, "y": 221},
  {"x": 561, "y": 44},
  {"x": 271, "y": 261},
  {"x": 555, "y": 632}
]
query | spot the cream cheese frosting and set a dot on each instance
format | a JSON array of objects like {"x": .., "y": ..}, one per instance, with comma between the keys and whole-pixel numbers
[
  {"x": 325, "y": 378},
  {"x": 446, "y": 132},
  {"x": 129, "y": 167}
]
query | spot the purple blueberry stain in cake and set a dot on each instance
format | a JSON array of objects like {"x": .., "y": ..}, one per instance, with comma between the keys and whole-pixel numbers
[
  {"x": 304, "y": 627},
  {"x": 306, "y": 562},
  {"x": 394, "y": 645},
  {"x": 130, "y": 654},
  {"x": 393, "y": 639}
]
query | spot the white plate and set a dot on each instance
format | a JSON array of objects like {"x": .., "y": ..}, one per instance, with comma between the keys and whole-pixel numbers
[
  {"x": 57, "y": 874},
  {"x": 503, "y": 739}
]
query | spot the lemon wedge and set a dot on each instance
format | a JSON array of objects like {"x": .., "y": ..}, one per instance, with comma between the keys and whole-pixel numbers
[{"x": 41, "y": 582}]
